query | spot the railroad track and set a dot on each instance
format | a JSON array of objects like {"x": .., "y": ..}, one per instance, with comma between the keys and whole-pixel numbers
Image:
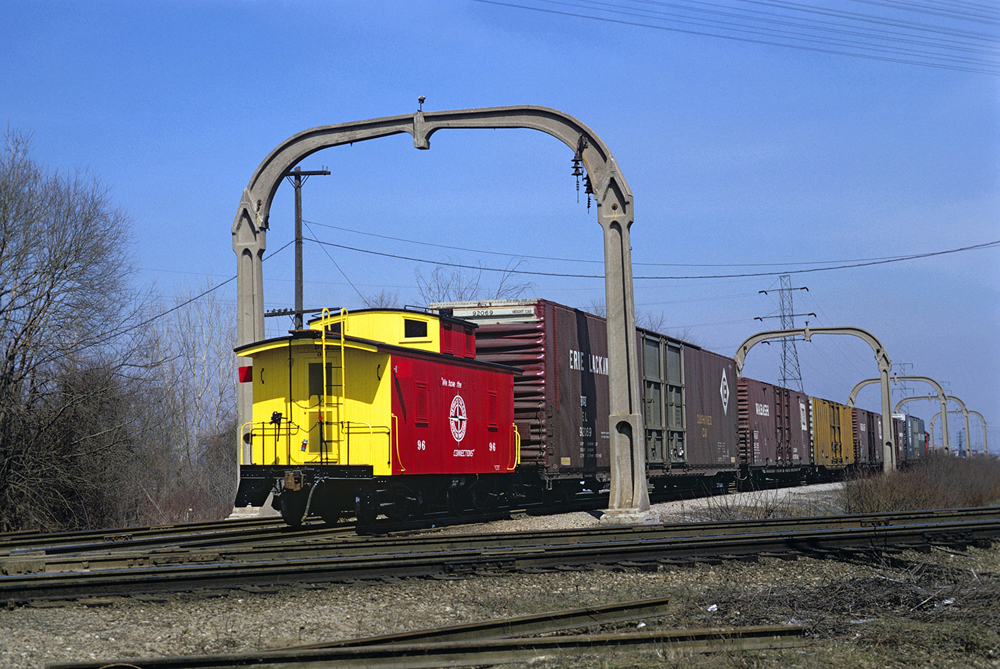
[
  {"x": 491, "y": 642},
  {"x": 282, "y": 556}
]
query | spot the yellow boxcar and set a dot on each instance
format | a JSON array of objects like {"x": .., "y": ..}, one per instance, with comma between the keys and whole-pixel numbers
[{"x": 832, "y": 436}]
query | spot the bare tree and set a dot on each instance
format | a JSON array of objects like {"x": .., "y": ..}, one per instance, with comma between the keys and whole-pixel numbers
[
  {"x": 68, "y": 335},
  {"x": 195, "y": 342},
  {"x": 451, "y": 283},
  {"x": 382, "y": 300},
  {"x": 649, "y": 321}
]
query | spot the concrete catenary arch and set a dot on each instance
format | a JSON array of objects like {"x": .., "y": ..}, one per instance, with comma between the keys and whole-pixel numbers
[
  {"x": 944, "y": 423},
  {"x": 614, "y": 214},
  {"x": 926, "y": 379},
  {"x": 965, "y": 412},
  {"x": 881, "y": 357}
]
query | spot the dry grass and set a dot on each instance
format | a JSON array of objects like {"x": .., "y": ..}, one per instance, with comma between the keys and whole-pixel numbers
[
  {"x": 766, "y": 503},
  {"x": 935, "y": 482}
]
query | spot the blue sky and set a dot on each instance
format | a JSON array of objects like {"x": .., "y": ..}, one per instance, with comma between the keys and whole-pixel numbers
[{"x": 743, "y": 158}]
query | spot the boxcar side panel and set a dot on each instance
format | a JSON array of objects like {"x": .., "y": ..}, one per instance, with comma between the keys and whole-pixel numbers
[
  {"x": 758, "y": 428},
  {"x": 860, "y": 424},
  {"x": 710, "y": 385},
  {"x": 795, "y": 450},
  {"x": 578, "y": 406}
]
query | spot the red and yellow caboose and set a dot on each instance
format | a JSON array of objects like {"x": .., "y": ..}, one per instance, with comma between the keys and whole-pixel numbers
[{"x": 377, "y": 411}]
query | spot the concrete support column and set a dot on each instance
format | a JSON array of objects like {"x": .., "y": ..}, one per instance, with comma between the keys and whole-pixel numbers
[{"x": 628, "y": 448}]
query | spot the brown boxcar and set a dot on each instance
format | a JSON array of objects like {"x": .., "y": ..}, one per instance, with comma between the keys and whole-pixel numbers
[
  {"x": 773, "y": 426},
  {"x": 867, "y": 438},
  {"x": 561, "y": 398},
  {"x": 711, "y": 411},
  {"x": 832, "y": 438}
]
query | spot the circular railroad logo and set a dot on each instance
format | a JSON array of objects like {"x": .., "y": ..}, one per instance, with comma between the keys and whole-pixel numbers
[{"x": 457, "y": 418}]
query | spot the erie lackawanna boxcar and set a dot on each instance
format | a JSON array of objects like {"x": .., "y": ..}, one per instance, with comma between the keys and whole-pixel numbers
[
  {"x": 378, "y": 411},
  {"x": 561, "y": 397}
]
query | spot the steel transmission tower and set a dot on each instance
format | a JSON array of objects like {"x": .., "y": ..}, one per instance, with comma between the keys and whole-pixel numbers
[{"x": 790, "y": 372}]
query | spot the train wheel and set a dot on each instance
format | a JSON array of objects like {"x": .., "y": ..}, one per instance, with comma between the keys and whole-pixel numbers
[
  {"x": 483, "y": 496},
  {"x": 329, "y": 514},
  {"x": 293, "y": 506},
  {"x": 560, "y": 495},
  {"x": 459, "y": 502},
  {"x": 366, "y": 508},
  {"x": 404, "y": 505}
]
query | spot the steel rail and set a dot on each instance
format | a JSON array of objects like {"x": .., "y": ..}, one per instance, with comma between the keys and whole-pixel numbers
[
  {"x": 253, "y": 531},
  {"x": 325, "y": 543},
  {"x": 543, "y": 623},
  {"x": 558, "y": 550},
  {"x": 386, "y": 653},
  {"x": 117, "y": 536}
]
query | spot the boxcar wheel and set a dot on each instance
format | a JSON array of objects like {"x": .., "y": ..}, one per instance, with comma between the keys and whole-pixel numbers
[
  {"x": 293, "y": 506},
  {"x": 328, "y": 512}
]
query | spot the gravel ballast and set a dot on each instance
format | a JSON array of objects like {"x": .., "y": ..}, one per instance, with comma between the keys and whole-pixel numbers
[{"x": 940, "y": 608}]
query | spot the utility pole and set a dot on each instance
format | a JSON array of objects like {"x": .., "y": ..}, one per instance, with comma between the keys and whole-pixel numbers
[
  {"x": 297, "y": 177},
  {"x": 790, "y": 372}
]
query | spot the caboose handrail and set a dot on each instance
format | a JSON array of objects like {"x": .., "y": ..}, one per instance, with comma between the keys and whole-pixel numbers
[
  {"x": 266, "y": 429},
  {"x": 325, "y": 401},
  {"x": 394, "y": 442},
  {"x": 371, "y": 433},
  {"x": 517, "y": 448},
  {"x": 322, "y": 398}
]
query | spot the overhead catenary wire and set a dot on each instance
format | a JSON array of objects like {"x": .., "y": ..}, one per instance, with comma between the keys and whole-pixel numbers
[
  {"x": 909, "y": 43},
  {"x": 506, "y": 254},
  {"x": 866, "y": 263}
]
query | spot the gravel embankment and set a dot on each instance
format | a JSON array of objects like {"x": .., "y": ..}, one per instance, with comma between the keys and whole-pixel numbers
[{"x": 941, "y": 608}]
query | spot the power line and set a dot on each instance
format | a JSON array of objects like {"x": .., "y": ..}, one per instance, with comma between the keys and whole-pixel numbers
[
  {"x": 123, "y": 331},
  {"x": 946, "y": 54},
  {"x": 658, "y": 278},
  {"x": 601, "y": 262},
  {"x": 337, "y": 266}
]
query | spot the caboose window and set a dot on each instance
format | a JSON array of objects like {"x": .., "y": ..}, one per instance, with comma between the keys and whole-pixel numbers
[
  {"x": 333, "y": 383},
  {"x": 412, "y": 328}
]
